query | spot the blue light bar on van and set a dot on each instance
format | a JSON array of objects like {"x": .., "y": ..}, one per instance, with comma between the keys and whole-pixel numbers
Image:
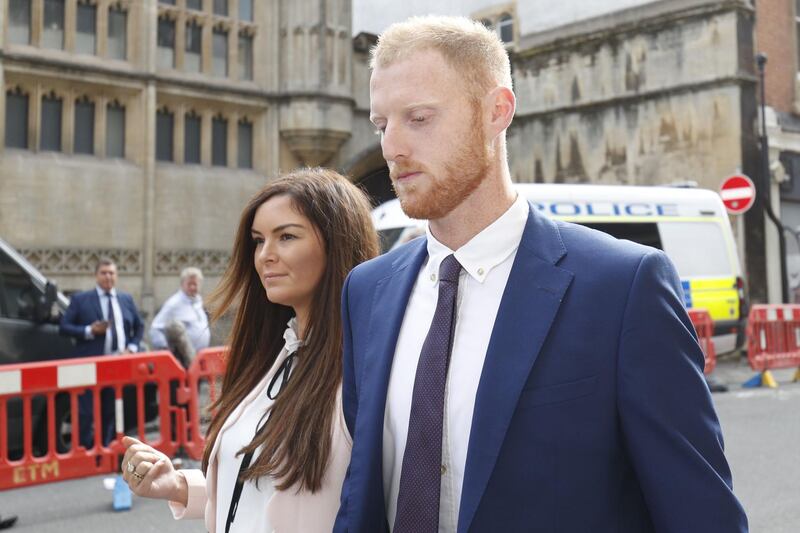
[{"x": 601, "y": 209}]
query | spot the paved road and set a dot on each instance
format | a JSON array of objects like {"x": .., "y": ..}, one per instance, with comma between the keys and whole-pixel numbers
[
  {"x": 762, "y": 443},
  {"x": 762, "y": 436}
]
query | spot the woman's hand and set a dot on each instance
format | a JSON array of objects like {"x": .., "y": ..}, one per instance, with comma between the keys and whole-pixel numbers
[{"x": 151, "y": 473}]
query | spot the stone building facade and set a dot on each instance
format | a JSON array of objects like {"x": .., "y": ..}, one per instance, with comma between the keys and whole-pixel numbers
[
  {"x": 194, "y": 104},
  {"x": 137, "y": 129}
]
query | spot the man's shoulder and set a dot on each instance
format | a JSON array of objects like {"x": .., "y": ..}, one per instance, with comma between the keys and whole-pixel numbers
[
  {"x": 82, "y": 296},
  {"x": 174, "y": 300}
]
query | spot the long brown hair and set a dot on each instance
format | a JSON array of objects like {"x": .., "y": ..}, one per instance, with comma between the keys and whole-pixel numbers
[{"x": 297, "y": 439}]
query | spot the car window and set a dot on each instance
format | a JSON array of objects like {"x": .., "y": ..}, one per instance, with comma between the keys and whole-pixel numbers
[{"x": 16, "y": 287}]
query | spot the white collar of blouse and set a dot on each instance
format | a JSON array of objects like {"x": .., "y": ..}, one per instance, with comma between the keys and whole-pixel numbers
[{"x": 290, "y": 336}]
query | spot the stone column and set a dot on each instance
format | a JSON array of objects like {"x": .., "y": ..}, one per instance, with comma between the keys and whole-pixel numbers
[
  {"x": 3, "y": 103},
  {"x": 70, "y": 15},
  {"x": 205, "y": 136},
  {"x": 100, "y": 104},
  {"x": 101, "y": 29},
  {"x": 233, "y": 52},
  {"x": 207, "y": 50},
  {"x": 180, "y": 39},
  {"x": 34, "y": 116},
  {"x": 67, "y": 122},
  {"x": 180, "y": 137},
  {"x": 150, "y": 101},
  {"x": 233, "y": 125},
  {"x": 37, "y": 19}
]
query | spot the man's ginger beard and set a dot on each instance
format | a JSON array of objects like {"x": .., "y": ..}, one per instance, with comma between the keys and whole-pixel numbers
[{"x": 462, "y": 175}]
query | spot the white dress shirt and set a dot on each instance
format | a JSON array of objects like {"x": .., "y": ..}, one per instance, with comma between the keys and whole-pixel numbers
[
  {"x": 119, "y": 324},
  {"x": 189, "y": 312},
  {"x": 237, "y": 437},
  {"x": 486, "y": 260}
]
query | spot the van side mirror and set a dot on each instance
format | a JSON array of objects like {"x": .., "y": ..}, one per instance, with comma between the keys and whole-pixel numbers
[{"x": 44, "y": 305}]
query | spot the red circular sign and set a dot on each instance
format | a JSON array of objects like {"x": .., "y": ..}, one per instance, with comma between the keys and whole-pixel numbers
[{"x": 738, "y": 194}]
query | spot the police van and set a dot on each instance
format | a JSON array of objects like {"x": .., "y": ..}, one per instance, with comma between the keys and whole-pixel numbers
[{"x": 690, "y": 225}]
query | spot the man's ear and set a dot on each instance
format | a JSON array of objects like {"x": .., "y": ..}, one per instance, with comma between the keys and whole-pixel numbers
[{"x": 501, "y": 104}]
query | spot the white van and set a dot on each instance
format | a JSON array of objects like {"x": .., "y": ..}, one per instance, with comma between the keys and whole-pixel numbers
[{"x": 690, "y": 225}]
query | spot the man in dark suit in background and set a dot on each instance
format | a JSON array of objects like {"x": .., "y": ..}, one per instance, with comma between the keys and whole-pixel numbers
[{"x": 103, "y": 321}]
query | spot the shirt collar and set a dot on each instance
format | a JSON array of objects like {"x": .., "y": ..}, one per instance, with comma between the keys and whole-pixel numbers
[
  {"x": 290, "y": 336},
  {"x": 485, "y": 250},
  {"x": 102, "y": 293},
  {"x": 187, "y": 298}
]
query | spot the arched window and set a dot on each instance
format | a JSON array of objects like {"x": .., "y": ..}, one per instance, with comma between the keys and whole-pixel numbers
[
  {"x": 505, "y": 27},
  {"x": 83, "y": 137},
  {"x": 244, "y": 142},
  {"x": 166, "y": 42},
  {"x": 115, "y": 129},
  {"x": 165, "y": 124},
  {"x": 50, "y": 126},
  {"x": 219, "y": 141},
  {"x": 191, "y": 138},
  {"x": 16, "y": 118},
  {"x": 194, "y": 47}
]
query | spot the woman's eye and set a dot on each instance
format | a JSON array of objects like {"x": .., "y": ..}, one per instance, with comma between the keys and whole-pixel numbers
[
  {"x": 418, "y": 119},
  {"x": 258, "y": 241},
  {"x": 287, "y": 236}
]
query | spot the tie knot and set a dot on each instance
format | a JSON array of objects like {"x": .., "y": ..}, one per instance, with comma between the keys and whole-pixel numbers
[
  {"x": 108, "y": 294},
  {"x": 449, "y": 269}
]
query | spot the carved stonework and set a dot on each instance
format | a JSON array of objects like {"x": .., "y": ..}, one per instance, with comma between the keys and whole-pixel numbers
[
  {"x": 211, "y": 262},
  {"x": 82, "y": 260},
  {"x": 314, "y": 147}
]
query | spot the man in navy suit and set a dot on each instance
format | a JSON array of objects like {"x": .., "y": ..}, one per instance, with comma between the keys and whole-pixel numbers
[
  {"x": 102, "y": 321},
  {"x": 508, "y": 372}
]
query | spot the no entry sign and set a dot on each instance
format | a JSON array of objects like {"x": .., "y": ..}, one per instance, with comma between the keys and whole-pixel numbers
[{"x": 738, "y": 194}]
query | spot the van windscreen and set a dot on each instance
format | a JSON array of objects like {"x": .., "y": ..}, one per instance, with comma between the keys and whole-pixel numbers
[{"x": 642, "y": 232}]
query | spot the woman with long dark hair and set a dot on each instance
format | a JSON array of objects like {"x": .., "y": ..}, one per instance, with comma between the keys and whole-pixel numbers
[{"x": 277, "y": 448}]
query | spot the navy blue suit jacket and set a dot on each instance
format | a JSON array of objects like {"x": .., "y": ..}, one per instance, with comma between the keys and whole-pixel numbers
[
  {"x": 84, "y": 308},
  {"x": 591, "y": 415}
]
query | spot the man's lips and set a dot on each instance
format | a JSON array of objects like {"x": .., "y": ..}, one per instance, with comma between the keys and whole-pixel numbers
[{"x": 407, "y": 175}]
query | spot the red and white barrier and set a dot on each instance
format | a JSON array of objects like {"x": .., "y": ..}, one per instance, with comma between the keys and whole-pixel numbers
[
  {"x": 206, "y": 370},
  {"x": 704, "y": 326},
  {"x": 22, "y": 385},
  {"x": 773, "y": 336}
]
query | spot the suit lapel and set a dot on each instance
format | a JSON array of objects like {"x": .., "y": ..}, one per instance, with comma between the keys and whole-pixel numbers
[
  {"x": 98, "y": 308},
  {"x": 533, "y": 294},
  {"x": 386, "y": 316}
]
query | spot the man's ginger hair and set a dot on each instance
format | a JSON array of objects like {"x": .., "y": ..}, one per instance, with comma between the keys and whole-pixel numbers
[{"x": 474, "y": 51}]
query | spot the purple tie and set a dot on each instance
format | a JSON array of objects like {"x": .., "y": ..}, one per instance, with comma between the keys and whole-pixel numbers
[
  {"x": 112, "y": 323},
  {"x": 421, "y": 476}
]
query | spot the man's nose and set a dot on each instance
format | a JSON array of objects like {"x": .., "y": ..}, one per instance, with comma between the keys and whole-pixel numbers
[{"x": 394, "y": 143}]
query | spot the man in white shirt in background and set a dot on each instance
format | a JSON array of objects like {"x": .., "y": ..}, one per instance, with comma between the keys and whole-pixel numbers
[{"x": 181, "y": 325}]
